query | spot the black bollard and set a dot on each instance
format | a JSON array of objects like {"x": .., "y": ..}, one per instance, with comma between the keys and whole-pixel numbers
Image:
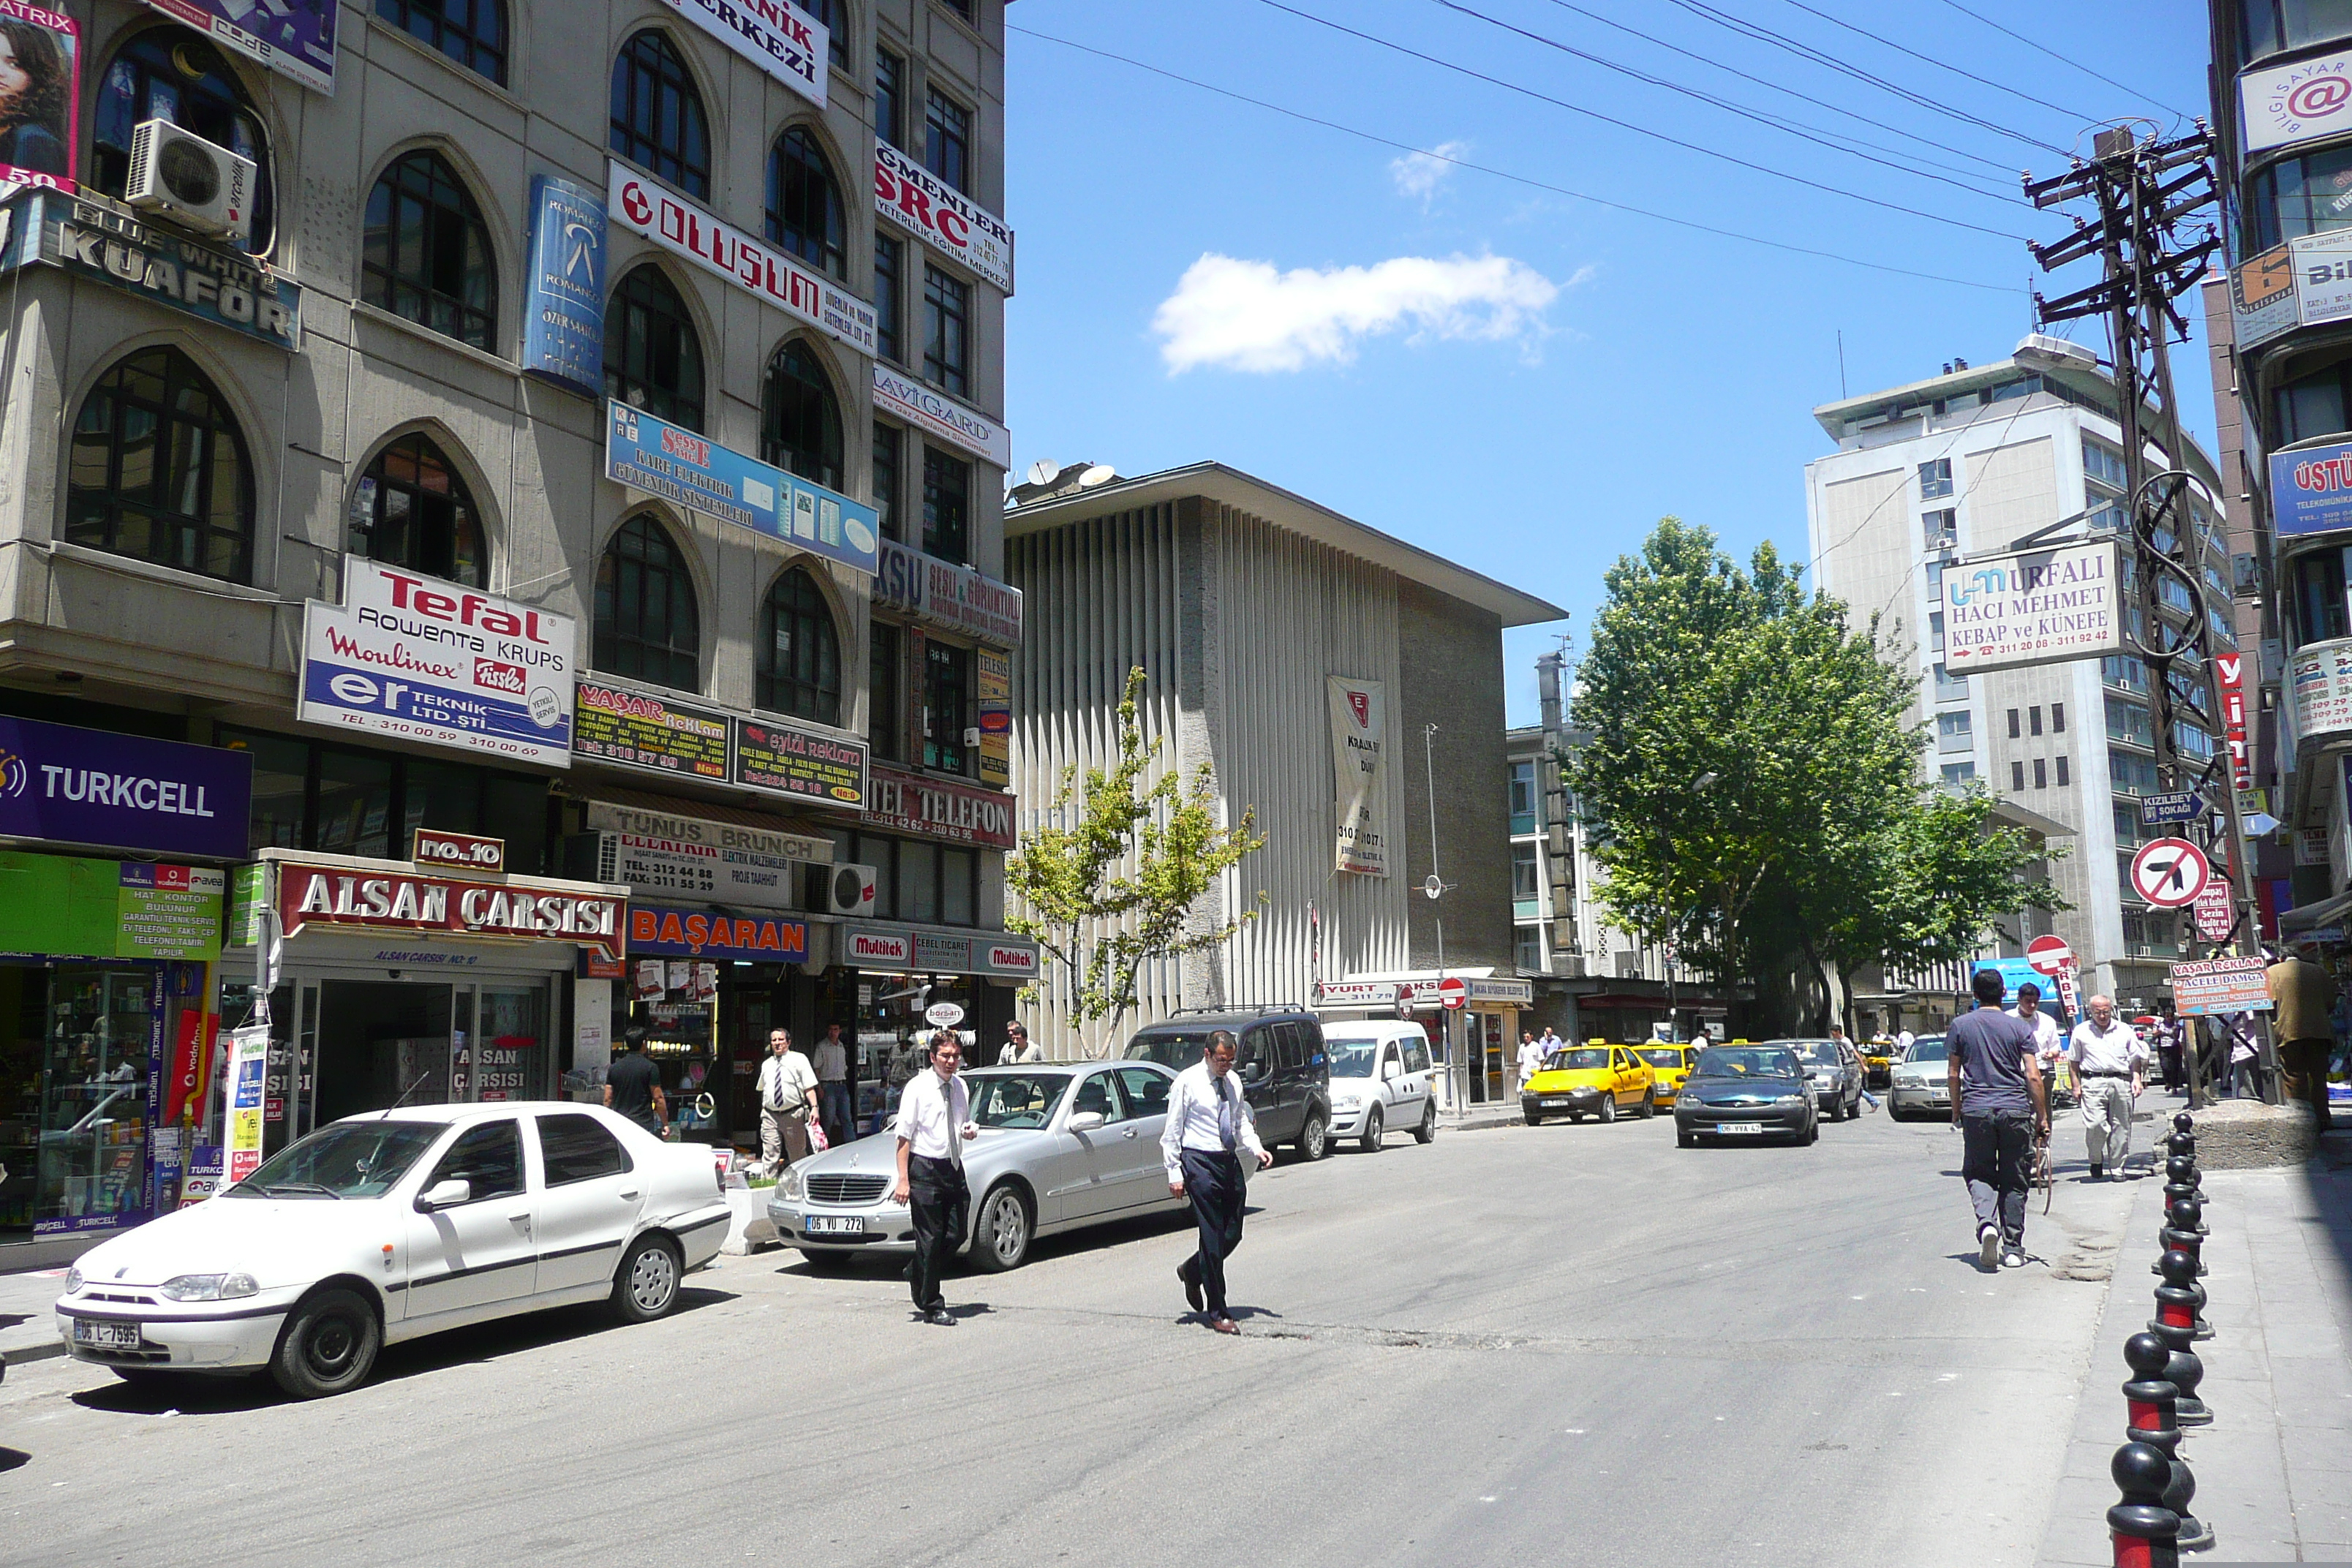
[
  {"x": 2183, "y": 1215},
  {"x": 2146, "y": 1533},
  {"x": 2152, "y": 1402},
  {"x": 2184, "y": 1371},
  {"x": 2180, "y": 1301},
  {"x": 2180, "y": 1182}
]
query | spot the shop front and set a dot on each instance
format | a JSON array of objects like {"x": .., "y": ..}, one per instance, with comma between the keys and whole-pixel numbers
[
  {"x": 899, "y": 982},
  {"x": 706, "y": 987},
  {"x": 1481, "y": 1034}
]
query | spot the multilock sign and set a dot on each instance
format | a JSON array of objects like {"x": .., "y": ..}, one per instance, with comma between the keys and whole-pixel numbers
[
  {"x": 2004, "y": 612},
  {"x": 1358, "y": 737}
]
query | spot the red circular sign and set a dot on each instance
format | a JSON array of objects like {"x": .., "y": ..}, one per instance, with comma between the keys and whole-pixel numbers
[
  {"x": 2318, "y": 96},
  {"x": 2048, "y": 954},
  {"x": 1452, "y": 992}
]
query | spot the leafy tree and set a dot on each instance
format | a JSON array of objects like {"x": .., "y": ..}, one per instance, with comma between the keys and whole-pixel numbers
[{"x": 1119, "y": 885}]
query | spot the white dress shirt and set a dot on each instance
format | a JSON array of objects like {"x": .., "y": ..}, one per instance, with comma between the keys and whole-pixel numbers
[
  {"x": 2116, "y": 1048},
  {"x": 786, "y": 1082},
  {"x": 1531, "y": 1060},
  {"x": 1194, "y": 1121},
  {"x": 2046, "y": 1043},
  {"x": 931, "y": 1115},
  {"x": 832, "y": 1061}
]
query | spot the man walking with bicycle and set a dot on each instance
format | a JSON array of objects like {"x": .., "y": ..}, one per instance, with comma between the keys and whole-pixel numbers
[{"x": 2001, "y": 1108}]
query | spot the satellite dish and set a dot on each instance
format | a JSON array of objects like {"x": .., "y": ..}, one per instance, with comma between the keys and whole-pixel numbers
[
  {"x": 1096, "y": 474},
  {"x": 1041, "y": 472},
  {"x": 1431, "y": 885}
]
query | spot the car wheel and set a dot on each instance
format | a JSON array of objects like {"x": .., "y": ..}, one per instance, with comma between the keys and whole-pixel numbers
[
  {"x": 1003, "y": 1243},
  {"x": 1649, "y": 1107},
  {"x": 329, "y": 1345},
  {"x": 826, "y": 1262},
  {"x": 1813, "y": 1131},
  {"x": 645, "y": 1285},
  {"x": 1372, "y": 1132},
  {"x": 1427, "y": 1130},
  {"x": 1607, "y": 1107},
  {"x": 1685, "y": 1139},
  {"x": 1315, "y": 1138},
  {"x": 1535, "y": 1119}
]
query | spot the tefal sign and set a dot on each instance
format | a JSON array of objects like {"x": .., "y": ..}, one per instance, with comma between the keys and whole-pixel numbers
[{"x": 387, "y": 900}]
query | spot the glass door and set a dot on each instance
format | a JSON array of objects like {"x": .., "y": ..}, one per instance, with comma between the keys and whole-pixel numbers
[
  {"x": 379, "y": 1043},
  {"x": 94, "y": 1125},
  {"x": 511, "y": 1058}
]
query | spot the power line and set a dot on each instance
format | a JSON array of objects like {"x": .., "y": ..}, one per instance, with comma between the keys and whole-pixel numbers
[
  {"x": 1390, "y": 143},
  {"x": 1637, "y": 130},
  {"x": 1775, "y": 121},
  {"x": 1939, "y": 65},
  {"x": 2068, "y": 59}
]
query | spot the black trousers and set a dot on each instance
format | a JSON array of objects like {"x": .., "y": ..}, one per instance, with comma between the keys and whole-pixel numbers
[
  {"x": 1213, "y": 1181},
  {"x": 1996, "y": 1161},
  {"x": 941, "y": 1203}
]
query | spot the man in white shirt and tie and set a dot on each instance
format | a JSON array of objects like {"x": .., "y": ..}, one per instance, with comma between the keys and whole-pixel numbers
[
  {"x": 833, "y": 1078},
  {"x": 934, "y": 1120},
  {"x": 787, "y": 1095},
  {"x": 2108, "y": 1055},
  {"x": 1209, "y": 1126}
]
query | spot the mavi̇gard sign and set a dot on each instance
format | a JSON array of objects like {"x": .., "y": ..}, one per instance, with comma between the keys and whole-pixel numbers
[{"x": 2041, "y": 606}]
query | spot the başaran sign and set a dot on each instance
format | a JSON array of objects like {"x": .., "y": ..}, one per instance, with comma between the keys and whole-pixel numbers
[
  {"x": 2040, "y": 606},
  {"x": 1358, "y": 739}
]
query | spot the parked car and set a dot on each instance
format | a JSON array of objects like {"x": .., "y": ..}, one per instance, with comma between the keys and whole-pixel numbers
[
  {"x": 1670, "y": 1065},
  {"x": 1921, "y": 1080},
  {"x": 1595, "y": 1079},
  {"x": 1061, "y": 1145},
  {"x": 1747, "y": 1092},
  {"x": 1380, "y": 1080},
  {"x": 386, "y": 1226},
  {"x": 1834, "y": 1070},
  {"x": 1282, "y": 1067},
  {"x": 1877, "y": 1061}
]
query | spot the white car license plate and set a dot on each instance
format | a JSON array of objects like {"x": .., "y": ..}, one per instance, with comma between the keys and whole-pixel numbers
[
  {"x": 832, "y": 1224},
  {"x": 1553, "y": 1104},
  {"x": 107, "y": 1336},
  {"x": 1738, "y": 1127}
]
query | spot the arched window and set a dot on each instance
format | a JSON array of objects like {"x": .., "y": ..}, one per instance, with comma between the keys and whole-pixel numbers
[
  {"x": 799, "y": 651},
  {"x": 427, "y": 253},
  {"x": 800, "y": 420},
  {"x": 647, "y": 623},
  {"x": 471, "y": 32},
  {"x": 653, "y": 359},
  {"x": 420, "y": 515},
  {"x": 171, "y": 73},
  {"x": 657, "y": 120},
  {"x": 160, "y": 470},
  {"x": 804, "y": 212}
]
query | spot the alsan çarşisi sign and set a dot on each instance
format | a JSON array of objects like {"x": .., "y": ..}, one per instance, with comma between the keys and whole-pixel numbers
[{"x": 2038, "y": 606}]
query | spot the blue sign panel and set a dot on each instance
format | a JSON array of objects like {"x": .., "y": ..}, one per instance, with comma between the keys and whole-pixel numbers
[
  {"x": 2154, "y": 810},
  {"x": 122, "y": 791},
  {"x": 564, "y": 291},
  {"x": 2311, "y": 490},
  {"x": 673, "y": 462},
  {"x": 2014, "y": 972}
]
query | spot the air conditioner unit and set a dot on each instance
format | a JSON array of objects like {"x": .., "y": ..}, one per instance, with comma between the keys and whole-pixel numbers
[
  {"x": 849, "y": 890},
  {"x": 187, "y": 179}
]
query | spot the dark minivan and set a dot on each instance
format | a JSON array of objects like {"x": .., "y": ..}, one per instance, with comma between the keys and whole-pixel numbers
[{"x": 1282, "y": 1067}]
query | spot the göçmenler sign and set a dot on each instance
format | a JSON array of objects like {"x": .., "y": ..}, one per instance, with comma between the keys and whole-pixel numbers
[
  {"x": 2041, "y": 606},
  {"x": 942, "y": 216}
]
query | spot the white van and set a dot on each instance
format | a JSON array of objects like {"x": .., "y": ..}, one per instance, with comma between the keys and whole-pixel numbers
[{"x": 1380, "y": 1080}]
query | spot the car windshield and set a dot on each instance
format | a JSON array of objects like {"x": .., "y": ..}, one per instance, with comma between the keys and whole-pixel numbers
[
  {"x": 1352, "y": 1059},
  {"x": 1925, "y": 1048},
  {"x": 347, "y": 1160},
  {"x": 1666, "y": 1058},
  {"x": 1176, "y": 1049},
  {"x": 1578, "y": 1057},
  {"x": 1017, "y": 1100},
  {"x": 1747, "y": 1061},
  {"x": 1820, "y": 1053}
]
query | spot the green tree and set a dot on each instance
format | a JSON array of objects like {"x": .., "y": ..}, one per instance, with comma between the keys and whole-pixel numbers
[{"x": 1119, "y": 884}]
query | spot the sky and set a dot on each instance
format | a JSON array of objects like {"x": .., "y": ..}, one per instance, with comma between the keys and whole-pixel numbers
[{"x": 1422, "y": 313}]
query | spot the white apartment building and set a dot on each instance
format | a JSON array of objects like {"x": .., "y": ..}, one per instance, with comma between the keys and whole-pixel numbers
[{"x": 1961, "y": 465}]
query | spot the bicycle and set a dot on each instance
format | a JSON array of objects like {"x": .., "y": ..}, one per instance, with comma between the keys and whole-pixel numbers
[{"x": 2045, "y": 1176}]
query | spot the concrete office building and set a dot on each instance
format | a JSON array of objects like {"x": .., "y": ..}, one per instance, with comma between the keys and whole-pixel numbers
[
  {"x": 1242, "y": 603},
  {"x": 1958, "y": 466},
  {"x": 519, "y": 243}
]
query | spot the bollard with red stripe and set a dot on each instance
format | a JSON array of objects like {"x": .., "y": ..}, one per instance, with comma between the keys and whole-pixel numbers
[
  {"x": 2151, "y": 1401},
  {"x": 2145, "y": 1533},
  {"x": 2180, "y": 1301},
  {"x": 2184, "y": 1216}
]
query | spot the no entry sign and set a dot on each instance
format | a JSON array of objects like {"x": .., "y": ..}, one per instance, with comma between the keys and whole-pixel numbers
[
  {"x": 1452, "y": 992},
  {"x": 2049, "y": 954},
  {"x": 2169, "y": 872}
]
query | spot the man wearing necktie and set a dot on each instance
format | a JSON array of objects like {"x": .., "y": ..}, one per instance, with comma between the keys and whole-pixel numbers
[
  {"x": 1209, "y": 1126},
  {"x": 934, "y": 1120}
]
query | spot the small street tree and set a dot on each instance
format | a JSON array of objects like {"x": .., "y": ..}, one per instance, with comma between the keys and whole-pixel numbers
[{"x": 1118, "y": 885}]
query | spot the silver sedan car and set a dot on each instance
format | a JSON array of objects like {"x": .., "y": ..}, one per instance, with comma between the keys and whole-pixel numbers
[
  {"x": 1061, "y": 1145},
  {"x": 1920, "y": 1082}
]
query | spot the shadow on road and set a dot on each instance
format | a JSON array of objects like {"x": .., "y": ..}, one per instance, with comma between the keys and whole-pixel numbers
[{"x": 12, "y": 1458}]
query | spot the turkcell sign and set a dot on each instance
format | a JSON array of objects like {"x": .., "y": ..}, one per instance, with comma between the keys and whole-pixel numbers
[
  {"x": 653, "y": 455},
  {"x": 563, "y": 292},
  {"x": 774, "y": 35},
  {"x": 2154, "y": 810},
  {"x": 2041, "y": 606},
  {"x": 71, "y": 785},
  {"x": 942, "y": 217},
  {"x": 2311, "y": 488},
  {"x": 421, "y": 659}
]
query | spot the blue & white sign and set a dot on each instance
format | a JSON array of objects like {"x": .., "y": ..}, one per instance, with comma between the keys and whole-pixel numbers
[
  {"x": 2014, "y": 972},
  {"x": 2157, "y": 809},
  {"x": 2311, "y": 490},
  {"x": 563, "y": 292},
  {"x": 668, "y": 460}
]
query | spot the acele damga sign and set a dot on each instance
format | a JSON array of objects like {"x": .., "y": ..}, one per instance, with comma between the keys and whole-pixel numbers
[{"x": 96, "y": 238}]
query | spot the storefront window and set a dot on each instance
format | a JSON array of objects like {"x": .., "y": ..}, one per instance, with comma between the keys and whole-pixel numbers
[
  {"x": 957, "y": 887},
  {"x": 676, "y": 1002},
  {"x": 2296, "y": 197},
  {"x": 281, "y": 780},
  {"x": 369, "y": 803},
  {"x": 918, "y": 885},
  {"x": 355, "y": 804},
  {"x": 73, "y": 1122}
]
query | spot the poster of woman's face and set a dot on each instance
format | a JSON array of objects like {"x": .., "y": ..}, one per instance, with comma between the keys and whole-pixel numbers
[{"x": 40, "y": 76}]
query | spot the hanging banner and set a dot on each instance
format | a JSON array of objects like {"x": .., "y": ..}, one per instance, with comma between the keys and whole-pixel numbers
[
  {"x": 691, "y": 933},
  {"x": 2300, "y": 102},
  {"x": 296, "y": 38},
  {"x": 935, "y": 414},
  {"x": 108, "y": 908},
  {"x": 942, "y": 217},
  {"x": 2319, "y": 690},
  {"x": 2311, "y": 488},
  {"x": 2323, "y": 276},
  {"x": 2229, "y": 675},
  {"x": 774, "y": 35},
  {"x": 934, "y": 807},
  {"x": 657, "y": 864},
  {"x": 71, "y": 785},
  {"x": 2220, "y": 986},
  {"x": 951, "y": 597},
  {"x": 2041, "y": 606},
  {"x": 650, "y": 454},
  {"x": 1358, "y": 737},
  {"x": 249, "y": 1070},
  {"x": 43, "y": 112},
  {"x": 108, "y": 243},
  {"x": 563, "y": 286},
  {"x": 802, "y": 764},
  {"x": 995, "y": 692},
  {"x": 650, "y": 730},
  {"x": 380, "y": 896},
  {"x": 2263, "y": 297}
]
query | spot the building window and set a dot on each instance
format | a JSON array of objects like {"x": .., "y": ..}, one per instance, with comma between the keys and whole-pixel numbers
[
  {"x": 1954, "y": 726},
  {"x": 1942, "y": 529},
  {"x": 427, "y": 253},
  {"x": 170, "y": 73},
  {"x": 890, "y": 98},
  {"x": 2320, "y": 600},
  {"x": 420, "y": 516},
  {"x": 1527, "y": 880},
  {"x": 1523, "y": 797},
  {"x": 160, "y": 471},
  {"x": 2130, "y": 774},
  {"x": 947, "y": 331},
  {"x": 2057, "y": 718},
  {"x": 962, "y": 8},
  {"x": 884, "y": 703},
  {"x": 799, "y": 651},
  {"x": 947, "y": 506},
  {"x": 646, "y": 623},
  {"x": 653, "y": 357},
  {"x": 2040, "y": 774},
  {"x": 658, "y": 121},
  {"x": 2035, "y": 719},
  {"x": 890, "y": 453},
  {"x": 946, "y": 139},
  {"x": 2266, "y": 27},
  {"x": 946, "y": 685},
  {"x": 1935, "y": 631},
  {"x": 1958, "y": 774},
  {"x": 804, "y": 214},
  {"x": 889, "y": 283},
  {"x": 2012, "y": 724},
  {"x": 1527, "y": 948},
  {"x": 800, "y": 420},
  {"x": 835, "y": 14},
  {"x": 958, "y": 886},
  {"x": 2062, "y": 780},
  {"x": 2016, "y": 778},
  {"x": 2129, "y": 722},
  {"x": 1935, "y": 478},
  {"x": 471, "y": 32}
]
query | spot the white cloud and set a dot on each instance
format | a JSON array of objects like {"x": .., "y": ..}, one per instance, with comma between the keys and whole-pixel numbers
[
  {"x": 1245, "y": 315},
  {"x": 1418, "y": 175}
]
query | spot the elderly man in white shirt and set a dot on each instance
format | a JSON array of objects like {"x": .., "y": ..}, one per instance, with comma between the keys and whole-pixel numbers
[
  {"x": 2110, "y": 1067},
  {"x": 934, "y": 1121},
  {"x": 1209, "y": 1125},
  {"x": 1531, "y": 1057}
]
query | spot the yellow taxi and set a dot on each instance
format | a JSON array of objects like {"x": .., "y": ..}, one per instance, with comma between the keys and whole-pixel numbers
[
  {"x": 1669, "y": 1064},
  {"x": 1595, "y": 1079},
  {"x": 1877, "y": 1061}
]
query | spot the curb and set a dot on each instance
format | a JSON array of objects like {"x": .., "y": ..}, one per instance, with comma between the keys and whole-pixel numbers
[{"x": 33, "y": 1354}]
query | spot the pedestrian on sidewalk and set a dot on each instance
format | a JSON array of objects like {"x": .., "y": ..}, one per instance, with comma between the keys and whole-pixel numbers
[
  {"x": 788, "y": 1092},
  {"x": 1018, "y": 1047},
  {"x": 934, "y": 1123},
  {"x": 833, "y": 1080},
  {"x": 2303, "y": 997},
  {"x": 2001, "y": 1108},
  {"x": 2171, "y": 1040},
  {"x": 1209, "y": 1128},
  {"x": 2108, "y": 1055},
  {"x": 633, "y": 1084},
  {"x": 2049, "y": 1040},
  {"x": 1531, "y": 1057}
]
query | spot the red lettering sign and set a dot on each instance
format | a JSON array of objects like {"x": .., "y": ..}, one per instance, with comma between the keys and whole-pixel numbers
[{"x": 519, "y": 909}]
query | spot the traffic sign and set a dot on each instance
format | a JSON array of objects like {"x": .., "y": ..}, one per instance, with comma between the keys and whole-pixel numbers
[
  {"x": 2169, "y": 872},
  {"x": 2049, "y": 954},
  {"x": 2154, "y": 810},
  {"x": 2217, "y": 910},
  {"x": 1452, "y": 992}
]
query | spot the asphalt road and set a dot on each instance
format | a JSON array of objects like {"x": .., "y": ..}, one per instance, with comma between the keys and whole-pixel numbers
[{"x": 1572, "y": 1344}]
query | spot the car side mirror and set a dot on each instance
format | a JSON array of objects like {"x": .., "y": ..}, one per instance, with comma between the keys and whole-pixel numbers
[
  {"x": 1085, "y": 1121},
  {"x": 1389, "y": 1070},
  {"x": 444, "y": 1196}
]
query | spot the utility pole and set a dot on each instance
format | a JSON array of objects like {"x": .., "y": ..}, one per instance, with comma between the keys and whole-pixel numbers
[
  {"x": 1456, "y": 1079},
  {"x": 2144, "y": 189}
]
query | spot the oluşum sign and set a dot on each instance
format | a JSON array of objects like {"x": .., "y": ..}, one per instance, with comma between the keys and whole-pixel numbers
[{"x": 2041, "y": 606}]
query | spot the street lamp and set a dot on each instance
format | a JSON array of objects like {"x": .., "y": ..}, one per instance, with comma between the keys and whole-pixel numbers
[{"x": 1674, "y": 986}]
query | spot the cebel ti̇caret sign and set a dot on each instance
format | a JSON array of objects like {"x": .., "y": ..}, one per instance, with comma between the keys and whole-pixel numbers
[
  {"x": 70, "y": 786},
  {"x": 2038, "y": 606}
]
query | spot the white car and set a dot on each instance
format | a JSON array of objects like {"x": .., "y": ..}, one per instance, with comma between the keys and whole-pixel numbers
[
  {"x": 1379, "y": 1081},
  {"x": 386, "y": 1226}
]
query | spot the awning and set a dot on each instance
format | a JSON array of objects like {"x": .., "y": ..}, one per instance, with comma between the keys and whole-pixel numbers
[{"x": 2311, "y": 917}]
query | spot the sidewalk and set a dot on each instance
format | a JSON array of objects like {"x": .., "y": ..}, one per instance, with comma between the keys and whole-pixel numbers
[
  {"x": 29, "y": 1330},
  {"x": 2274, "y": 1470}
]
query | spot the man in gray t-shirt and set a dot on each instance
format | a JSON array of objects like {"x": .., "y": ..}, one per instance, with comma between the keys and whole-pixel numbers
[{"x": 2001, "y": 1108}]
